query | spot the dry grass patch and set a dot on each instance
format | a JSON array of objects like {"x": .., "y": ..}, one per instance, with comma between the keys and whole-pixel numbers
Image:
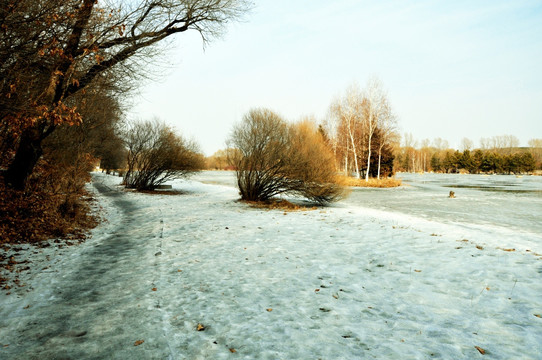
[{"x": 374, "y": 183}]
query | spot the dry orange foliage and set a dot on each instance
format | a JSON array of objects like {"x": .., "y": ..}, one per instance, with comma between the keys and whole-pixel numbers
[{"x": 34, "y": 216}]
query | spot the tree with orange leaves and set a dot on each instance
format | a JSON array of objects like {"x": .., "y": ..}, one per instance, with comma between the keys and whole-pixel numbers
[{"x": 53, "y": 49}]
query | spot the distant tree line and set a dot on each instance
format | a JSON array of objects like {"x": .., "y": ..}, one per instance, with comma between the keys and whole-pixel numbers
[{"x": 497, "y": 155}]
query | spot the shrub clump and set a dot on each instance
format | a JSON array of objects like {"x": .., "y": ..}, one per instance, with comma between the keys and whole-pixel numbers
[
  {"x": 272, "y": 157},
  {"x": 157, "y": 154}
]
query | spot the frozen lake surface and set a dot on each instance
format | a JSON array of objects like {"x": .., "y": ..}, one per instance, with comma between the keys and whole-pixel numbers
[
  {"x": 403, "y": 273},
  {"x": 496, "y": 203}
]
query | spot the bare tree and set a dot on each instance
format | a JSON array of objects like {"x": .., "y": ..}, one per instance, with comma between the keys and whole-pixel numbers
[
  {"x": 71, "y": 151},
  {"x": 440, "y": 144},
  {"x": 348, "y": 112},
  {"x": 503, "y": 141},
  {"x": 374, "y": 106},
  {"x": 156, "y": 154},
  {"x": 424, "y": 153},
  {"x": 218, "y": 161},
  {"x": 500, "y": 143},
  {"x": 52, "y": 49},
  {"x": 409, "y": 145},
  {"x": 485, "y": 143},
  {"x": 272, "y": 158},
  {"x": 512, "y": 143},
  {"x": 357, "y": 117},
  {"x": 536, "y": 151},
  {"x": 535, "y": 143},
  {"x": 466, "y": 144},
  {"x": 386, "y": 126}
]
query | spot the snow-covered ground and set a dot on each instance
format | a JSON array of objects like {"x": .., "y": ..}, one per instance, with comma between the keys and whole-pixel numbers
[{"x": 401, "y": 273}]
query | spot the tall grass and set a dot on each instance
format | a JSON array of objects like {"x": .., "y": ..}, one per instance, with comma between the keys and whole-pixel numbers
[{"x": 375, "y": 183}]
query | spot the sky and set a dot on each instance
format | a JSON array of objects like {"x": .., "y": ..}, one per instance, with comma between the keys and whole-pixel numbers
[{"x": 451, "y": 69}]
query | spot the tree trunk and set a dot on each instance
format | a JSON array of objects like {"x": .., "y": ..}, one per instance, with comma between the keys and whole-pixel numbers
[
  {"x": 368, "y": 159},
  {"x": 379, "y": 159},
  {"x": 27, "y": 155},
  {"x": 355, "y": 155},
  {"x": 346, "y": 173}
]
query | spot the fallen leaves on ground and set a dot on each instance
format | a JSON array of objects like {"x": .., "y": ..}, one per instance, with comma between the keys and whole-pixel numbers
[{"x": 37, "y": 214}]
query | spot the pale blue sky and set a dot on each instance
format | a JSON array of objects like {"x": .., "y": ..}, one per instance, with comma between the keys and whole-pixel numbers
[{"x": 452, "y": 69}]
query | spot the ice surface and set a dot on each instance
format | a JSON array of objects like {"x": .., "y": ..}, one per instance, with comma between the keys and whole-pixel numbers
[
  {"x": 496, "y": 201},
  {"x": 388, "y": 273}
]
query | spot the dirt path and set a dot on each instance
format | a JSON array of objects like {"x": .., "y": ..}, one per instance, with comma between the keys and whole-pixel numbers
[{"x": 100, "y": 299}]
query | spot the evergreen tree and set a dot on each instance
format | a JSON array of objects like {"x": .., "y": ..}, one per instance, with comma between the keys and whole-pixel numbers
[
  {"x": 477, "y": 159},
  {"x": 436, "y": 164}
]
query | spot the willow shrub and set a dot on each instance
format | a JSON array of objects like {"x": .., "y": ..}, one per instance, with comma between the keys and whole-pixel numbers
[{"x": 272, "y": 158}]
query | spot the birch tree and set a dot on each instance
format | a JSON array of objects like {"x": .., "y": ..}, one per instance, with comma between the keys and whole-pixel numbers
[
  {"x": 377, "y": 114},
  {"x": 358, "y": 115},
  {"x": 372, "y": 104},
  {"x": 388, "y": 133},
  {"x": 348, "y": 112}
]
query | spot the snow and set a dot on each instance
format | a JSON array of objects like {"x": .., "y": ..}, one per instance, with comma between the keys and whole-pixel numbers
[{"x": 386, "y": 273}]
